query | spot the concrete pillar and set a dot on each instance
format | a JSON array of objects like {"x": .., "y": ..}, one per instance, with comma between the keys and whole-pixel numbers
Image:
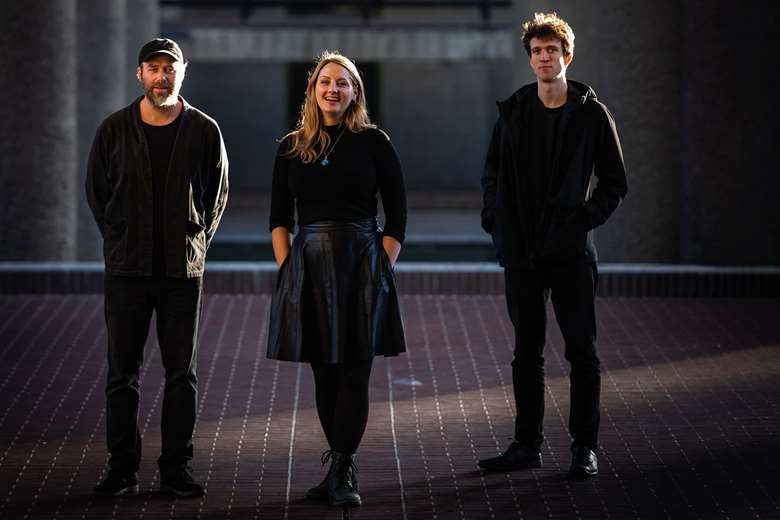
[
  {"x": 102, "y": 79},
  {"x": 143, "y": 24},
  {"x": 38, "y": 130}
]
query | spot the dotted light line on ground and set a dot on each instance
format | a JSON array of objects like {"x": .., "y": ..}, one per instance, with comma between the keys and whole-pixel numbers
[
  {"x": 292, "y": 441},
  {"x": 418, "y": 433},
  {"x": 395, "y": 440},
  {"x": 437, "y": 405},
  {"x": 29, "y": 348},
  {"x": 250, "y": 397},
  {"x": 509, "y": 341},
  {"x": 38, "y": 401},
  {"x": 492, "y": 352}
]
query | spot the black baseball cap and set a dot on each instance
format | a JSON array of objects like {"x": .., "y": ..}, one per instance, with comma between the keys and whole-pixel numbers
[{"x": 160, "y": 46}]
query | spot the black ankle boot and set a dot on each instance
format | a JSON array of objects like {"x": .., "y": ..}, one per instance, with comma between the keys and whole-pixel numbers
[
  {"x": 343, "y": 481},
  {"x": 320, "y": 491}
]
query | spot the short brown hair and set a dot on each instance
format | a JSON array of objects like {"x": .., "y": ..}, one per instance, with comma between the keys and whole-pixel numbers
[{"x": 545, "y": 26}]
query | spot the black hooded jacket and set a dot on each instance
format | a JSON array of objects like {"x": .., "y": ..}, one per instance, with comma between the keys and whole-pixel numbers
[
  {"x": 559, "y": 231},
  {"x": 119, "y": 192}
]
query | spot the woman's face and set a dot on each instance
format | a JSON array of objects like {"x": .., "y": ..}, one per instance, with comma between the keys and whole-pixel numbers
[{"x": 334, "y": 92}]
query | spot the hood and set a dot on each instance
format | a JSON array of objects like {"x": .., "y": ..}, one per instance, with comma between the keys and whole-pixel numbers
[{"x": 579, "y": 94}]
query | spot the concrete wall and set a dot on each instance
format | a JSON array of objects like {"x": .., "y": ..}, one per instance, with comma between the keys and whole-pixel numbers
[
  {"x": 619, "y": 53},
  {"x": 249, "y": 101},
  {"x": 730, "y": 207},
  {"x": 691, "y": 84},
  {"x": 439, "y": 121}
]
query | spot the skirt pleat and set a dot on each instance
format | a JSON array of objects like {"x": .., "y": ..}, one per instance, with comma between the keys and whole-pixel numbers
[{"x": 335, "y": 298}]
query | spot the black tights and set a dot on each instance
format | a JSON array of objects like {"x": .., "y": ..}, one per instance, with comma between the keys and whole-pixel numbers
[{"x": 341, "y": 392}]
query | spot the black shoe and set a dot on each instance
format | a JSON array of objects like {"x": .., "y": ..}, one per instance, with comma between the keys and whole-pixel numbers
[
  {"x": 181, "y": 484},
  {"x": 320, "y": 491},
  {"x": 583, "y": 463},
  {"x": 116, "y": 484},
  {"x": 516, "y": 456},
  {"x": 343, "y": 482}
]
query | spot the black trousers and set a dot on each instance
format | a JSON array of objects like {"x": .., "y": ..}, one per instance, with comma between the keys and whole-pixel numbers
[
  {"x": 572, "y": 288},
  {"x": 129, "y": 304},
  {"x": 341, "y": 393}
]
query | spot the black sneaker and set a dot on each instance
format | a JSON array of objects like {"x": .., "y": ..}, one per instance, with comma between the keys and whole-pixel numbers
[
  {"x": 181, "y": 484},
  {"x": 116, "y": 484},
  {"x": 517, "y": 456},
  {"x": 583, "y": 463}
]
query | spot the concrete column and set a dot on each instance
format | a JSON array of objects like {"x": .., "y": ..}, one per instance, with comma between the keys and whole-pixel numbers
[
  {"x": 38, "y": 130},
  {"x": 102, "y": 79},
  {"x": 143, "y": 24}
]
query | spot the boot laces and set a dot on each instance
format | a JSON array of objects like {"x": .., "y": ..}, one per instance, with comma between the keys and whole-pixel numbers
[
  {"x": 346, "y": 470},
  {"x": 326, "y": 456}
]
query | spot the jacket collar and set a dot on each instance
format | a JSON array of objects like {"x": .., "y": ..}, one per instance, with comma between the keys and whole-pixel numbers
[{"x": 578, "y": 94}]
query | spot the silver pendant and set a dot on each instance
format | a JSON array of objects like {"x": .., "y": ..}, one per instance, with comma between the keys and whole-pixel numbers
[{"x": 325, "y": 162}]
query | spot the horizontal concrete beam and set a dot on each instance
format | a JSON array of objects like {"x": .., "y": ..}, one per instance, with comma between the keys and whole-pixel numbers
[{"x": 367, "y": 44}]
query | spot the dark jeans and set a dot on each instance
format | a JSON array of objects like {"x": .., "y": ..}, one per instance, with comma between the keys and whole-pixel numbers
[
  {"x": 129, "y": 303},
  {"x": 572, "y": 288},
  {"x": 341, "y": 392}
]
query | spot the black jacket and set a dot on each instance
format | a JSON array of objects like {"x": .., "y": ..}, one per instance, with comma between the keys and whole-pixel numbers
[
  {"x": 587, "y": 142},
  {"x": 119, "y": 192}
]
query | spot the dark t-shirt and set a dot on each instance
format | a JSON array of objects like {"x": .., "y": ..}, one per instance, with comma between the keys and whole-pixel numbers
[
  {"x": 359, "y": 166},
  {"x": 544, "y": 128},
  {"x": 160, "y": 140}
]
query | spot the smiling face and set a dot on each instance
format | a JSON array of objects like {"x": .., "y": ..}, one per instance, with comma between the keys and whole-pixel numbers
[
  {"x": 334, "y": 92},
  {"x": 161, "y": 78},
  {"x": 547, "y": 59}
]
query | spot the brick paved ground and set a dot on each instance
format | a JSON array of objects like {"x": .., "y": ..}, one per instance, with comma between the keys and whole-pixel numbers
[{"x": 691, "y": 413}]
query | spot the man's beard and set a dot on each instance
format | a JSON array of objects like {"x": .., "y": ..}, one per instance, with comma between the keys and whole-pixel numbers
[{"x": 166, "y": 100}]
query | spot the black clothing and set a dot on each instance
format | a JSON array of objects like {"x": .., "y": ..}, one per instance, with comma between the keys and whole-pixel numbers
[
  {"x": 335, "y": 299},
  {"x": 157, "y": 195},
  {"x": 546, "y": 121},
  {"x": 119, "y": 188},
  {"x": 341, "y": 393},
  {"x": 335, "y": 303},
  {"x": 129, "y": 303},
  {"x": 572, "y": 288},
  {"x": 539, "y": 209},
  {"x": 586, "y": 143},
  {"x": 359, "y": 165},
  {"x": 160, "y": 140}
]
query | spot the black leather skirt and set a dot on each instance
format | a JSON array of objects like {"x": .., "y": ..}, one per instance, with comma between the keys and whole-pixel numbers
[{"x": 335, "y": 299}]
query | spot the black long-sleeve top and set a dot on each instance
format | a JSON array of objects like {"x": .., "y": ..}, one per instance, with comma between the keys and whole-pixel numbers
[{"x": 360, "y": 165}]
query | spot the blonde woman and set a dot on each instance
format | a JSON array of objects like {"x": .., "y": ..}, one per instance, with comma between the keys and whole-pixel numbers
[{"x": 335, "y": 304}]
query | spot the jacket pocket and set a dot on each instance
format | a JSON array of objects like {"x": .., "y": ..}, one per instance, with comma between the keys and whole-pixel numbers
[
  {"x": 115, "y": 243},
  {"x": 568, "y": 233},
  {"x": 196, "y": 246}
]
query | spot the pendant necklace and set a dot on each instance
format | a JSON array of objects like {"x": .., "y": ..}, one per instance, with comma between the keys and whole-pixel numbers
[{"x": 325, "y": 160}]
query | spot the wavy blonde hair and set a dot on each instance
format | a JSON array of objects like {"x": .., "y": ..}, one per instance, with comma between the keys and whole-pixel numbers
[{"x": 309, "y": 140}]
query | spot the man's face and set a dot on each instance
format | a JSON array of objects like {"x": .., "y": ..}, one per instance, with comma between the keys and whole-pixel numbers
[
  {"x": 161, "y": 78},
  {"x": 547, "y": 59}
]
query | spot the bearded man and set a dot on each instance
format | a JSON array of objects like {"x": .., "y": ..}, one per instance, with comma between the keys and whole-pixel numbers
[{"x": 157, "y": 185}]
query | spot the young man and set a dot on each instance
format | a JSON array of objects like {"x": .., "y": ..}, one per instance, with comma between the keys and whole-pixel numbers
[
  {"x": 157, "y": 185},
  {"x": 539, "y": 209}
]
